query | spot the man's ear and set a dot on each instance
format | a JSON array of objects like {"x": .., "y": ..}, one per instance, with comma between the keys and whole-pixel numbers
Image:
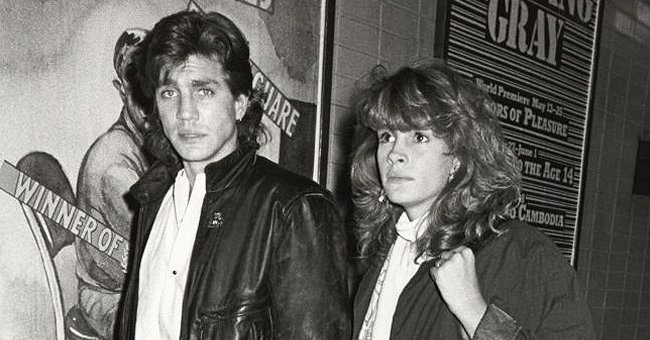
[{"x": 241, "y": 105}]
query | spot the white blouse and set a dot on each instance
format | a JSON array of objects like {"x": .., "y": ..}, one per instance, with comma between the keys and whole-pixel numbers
[{"x": 398, "y": 269}]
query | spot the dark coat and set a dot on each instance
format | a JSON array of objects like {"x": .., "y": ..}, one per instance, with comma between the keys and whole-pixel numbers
[
  {"x": 269, "y": 258},
  {"x": 521, "y": 272}
]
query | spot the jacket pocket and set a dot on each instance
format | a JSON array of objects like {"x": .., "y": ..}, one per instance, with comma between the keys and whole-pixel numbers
[{"x": 250, "y": 321}]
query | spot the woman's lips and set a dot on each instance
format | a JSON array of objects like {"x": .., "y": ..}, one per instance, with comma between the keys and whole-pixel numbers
[{"x": 399, "y": 179}]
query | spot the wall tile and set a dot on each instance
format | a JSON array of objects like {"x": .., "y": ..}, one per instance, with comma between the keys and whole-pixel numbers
[
  {"x": 344, "y": 90},
  {"x": 412, "y": 6},
  {"x": 428, "y": 8},
  {"x": 599, "y": 263},
  {"x": 426, "y": 38},
  {"x": 351, "y": 63},
  {"x": 639, "y": 229},
  {"x": 618, "y": 86},
  {"x": 397, "y": 51},
  {"x": 635, "y": 264},
  {"x": 639, "y": 74},
  {"x": 601, "y": 242},
  {"x": 596, "y": 297},
  {"x": 636, "y": 112},
  {"x": 619, "y": 244},
  {"x": 358, "y": 36},
  {"x": 617, "y": 263},
  {"x": 633, "y": 283},
  {"x": 604, "y": 219},
  {"x": 636, "y": 93},
  {"x": 611, "y": 317},
  {"x": 622, "y": 213},
  {"x": 366, "y": 11},
  {"x": 632, "y": 300},
  {"x": 640, "y": 208},
  {"x": 399, "y": 21}
]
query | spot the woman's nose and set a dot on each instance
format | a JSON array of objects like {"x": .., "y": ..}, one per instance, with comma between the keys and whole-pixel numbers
[{"x": 397, "y": 153}]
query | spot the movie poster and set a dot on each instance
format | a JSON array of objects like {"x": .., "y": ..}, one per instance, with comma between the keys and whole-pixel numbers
[
  {"x": 536, "y": 60},
  {"x": 71, "y": 147}
]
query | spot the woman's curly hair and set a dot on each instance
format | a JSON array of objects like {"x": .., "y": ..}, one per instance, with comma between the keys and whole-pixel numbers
[
  {"x": 486, "y": 185},
  {"x": 170, "y": 43}
]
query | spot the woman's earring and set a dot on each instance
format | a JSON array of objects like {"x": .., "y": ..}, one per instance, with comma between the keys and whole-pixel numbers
[
  {"x": 454, "y": 169},
  {"x": 382, "y": 196}
]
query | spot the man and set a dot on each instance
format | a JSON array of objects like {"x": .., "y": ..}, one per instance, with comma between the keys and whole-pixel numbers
[
  {"x": 111, "y": 166},
  {"x": 228, "y": 244}
]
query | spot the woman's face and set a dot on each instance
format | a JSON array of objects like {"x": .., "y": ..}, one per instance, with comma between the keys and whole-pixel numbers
[{"x": 414, "y": 167}]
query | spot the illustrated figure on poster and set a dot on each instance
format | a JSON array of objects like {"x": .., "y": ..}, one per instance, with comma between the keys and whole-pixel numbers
[
  {"x": 113, "y": 163},
  {"x": 433, "y": 181},
  {"x": 229, "y": 245}
]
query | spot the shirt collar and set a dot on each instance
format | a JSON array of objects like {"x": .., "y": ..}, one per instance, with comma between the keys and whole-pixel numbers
[
  {"x": 183, "y": 195},
  {"x": 410, "y": 230}
]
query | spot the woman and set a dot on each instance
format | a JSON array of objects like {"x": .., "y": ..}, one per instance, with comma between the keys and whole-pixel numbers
[{"x": 433, "y": 183}]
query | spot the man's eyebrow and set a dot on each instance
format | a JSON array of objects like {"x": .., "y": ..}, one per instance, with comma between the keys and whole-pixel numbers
[
  {"x": 204, "y": 82},
  {"x": 165, "y": 77}
]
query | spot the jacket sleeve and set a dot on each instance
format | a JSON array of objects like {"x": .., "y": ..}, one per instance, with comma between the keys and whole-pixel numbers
[
  {"x": 552, "y": 306},
  {"x": 309, "y": 271}
]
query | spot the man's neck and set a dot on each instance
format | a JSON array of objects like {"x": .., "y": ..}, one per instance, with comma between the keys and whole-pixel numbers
[{"x": 191, "y": 172}]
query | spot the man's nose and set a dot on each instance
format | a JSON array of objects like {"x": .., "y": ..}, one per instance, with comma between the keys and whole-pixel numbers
[{"x": 187, "y": 109}]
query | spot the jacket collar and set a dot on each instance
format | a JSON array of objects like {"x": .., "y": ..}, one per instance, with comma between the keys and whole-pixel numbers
[{"x": 220, "y": 175}]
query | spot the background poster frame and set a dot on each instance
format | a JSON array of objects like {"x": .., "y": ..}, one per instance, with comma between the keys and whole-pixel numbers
[
  {"x": 303, "y": 147},
  {"x": 517, "y": 65}
]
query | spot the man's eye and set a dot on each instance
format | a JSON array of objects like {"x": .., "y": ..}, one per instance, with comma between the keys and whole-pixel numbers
[
  {"x": 385, "y": 137},
  {"x": 167, "y": 94},
  {"x": 206, "y": 92},
  {"x": 421, "y": 137}
]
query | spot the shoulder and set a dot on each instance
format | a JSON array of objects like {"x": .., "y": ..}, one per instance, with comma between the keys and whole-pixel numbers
[
  {"x": 286, "y": 185},
  {"x": 522, "y": 238},
  {"x": 113, "y": 147},
  {"x": 522, "y": 247}
]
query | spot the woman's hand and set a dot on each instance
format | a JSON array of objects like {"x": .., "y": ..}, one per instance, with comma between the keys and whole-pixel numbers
[{"x": 455, "y": 276}]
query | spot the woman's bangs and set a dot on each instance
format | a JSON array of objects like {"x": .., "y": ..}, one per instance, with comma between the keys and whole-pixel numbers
[{"x": 398, "y": 114}]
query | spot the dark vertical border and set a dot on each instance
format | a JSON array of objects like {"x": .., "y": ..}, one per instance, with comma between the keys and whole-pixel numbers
[
  {"x": 441, "y": 36},
  {"x": 587, "y": 137},
  {"x": 325, "y": 92}
]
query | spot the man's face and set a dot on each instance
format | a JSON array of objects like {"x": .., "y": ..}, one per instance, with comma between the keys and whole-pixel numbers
[{"x": 198, "y": 112}]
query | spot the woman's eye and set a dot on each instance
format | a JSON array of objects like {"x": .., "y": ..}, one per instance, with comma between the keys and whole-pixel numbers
[
  {"x": 421, "y": 137},
  {"x": 385, "y": 137}
]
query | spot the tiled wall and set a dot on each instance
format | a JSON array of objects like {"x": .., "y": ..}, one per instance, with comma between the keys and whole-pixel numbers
[{"x": 614, "y": 252}]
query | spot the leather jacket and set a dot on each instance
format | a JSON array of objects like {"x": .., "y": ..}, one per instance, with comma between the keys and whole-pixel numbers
[{"x": 269, "y": 259}]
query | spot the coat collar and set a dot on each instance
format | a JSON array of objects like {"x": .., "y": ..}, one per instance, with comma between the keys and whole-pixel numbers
[{"x": 220, "y": 175}]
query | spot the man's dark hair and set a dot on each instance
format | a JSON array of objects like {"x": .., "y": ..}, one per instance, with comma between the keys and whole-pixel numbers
[{"x": 177, "y": 37}]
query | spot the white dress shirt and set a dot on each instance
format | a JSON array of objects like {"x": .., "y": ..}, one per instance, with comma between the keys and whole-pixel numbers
[{"x": 166, "y": 258}]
